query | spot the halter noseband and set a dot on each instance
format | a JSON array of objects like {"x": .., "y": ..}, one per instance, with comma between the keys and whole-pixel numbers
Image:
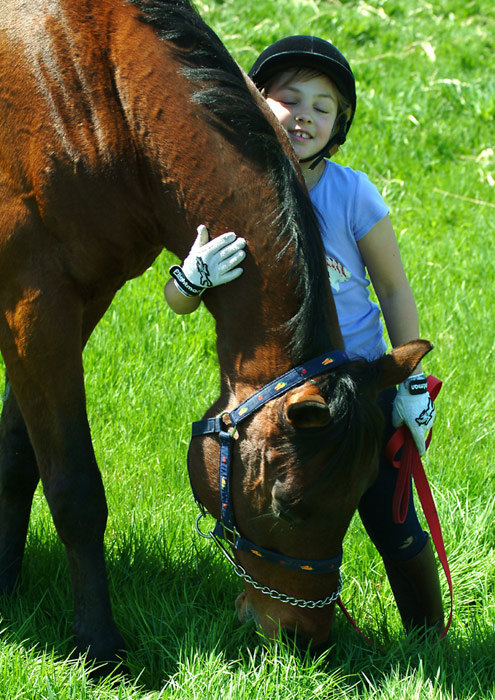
[{"x": 225, "y": 529}]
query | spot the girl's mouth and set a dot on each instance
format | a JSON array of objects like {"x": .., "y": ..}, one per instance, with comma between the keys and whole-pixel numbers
[{"x": 299, "y": 135}]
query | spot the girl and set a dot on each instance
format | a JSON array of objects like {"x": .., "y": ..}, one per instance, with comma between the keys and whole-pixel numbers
[{"x": 310, "y": 87}]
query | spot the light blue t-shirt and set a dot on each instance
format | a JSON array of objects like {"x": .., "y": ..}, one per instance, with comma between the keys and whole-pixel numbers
[{"x": 348, "y": 205}]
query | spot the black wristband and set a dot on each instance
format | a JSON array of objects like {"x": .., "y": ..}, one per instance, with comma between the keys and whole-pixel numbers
[
  {"x": 417, "y": 385},
  {"x": 186, "y": 287}
]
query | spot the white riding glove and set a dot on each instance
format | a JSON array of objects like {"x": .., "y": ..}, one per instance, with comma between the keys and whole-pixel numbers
[
  {"x": 414, "y": 408},
  {"x": 209, "y": 263}
]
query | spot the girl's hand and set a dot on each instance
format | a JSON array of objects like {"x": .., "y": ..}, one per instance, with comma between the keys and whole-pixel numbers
[
  {"x": 414, "y": 408},
  {"x": 209, "y": 263}
]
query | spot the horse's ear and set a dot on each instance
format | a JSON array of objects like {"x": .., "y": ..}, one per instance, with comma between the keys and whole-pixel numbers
[
  {"x": 396, "y": 366},
  {"x": 306, "y": 408}
]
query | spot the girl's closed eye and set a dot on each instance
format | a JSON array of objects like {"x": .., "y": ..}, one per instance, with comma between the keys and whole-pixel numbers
[{"x": 285, "y": 99}]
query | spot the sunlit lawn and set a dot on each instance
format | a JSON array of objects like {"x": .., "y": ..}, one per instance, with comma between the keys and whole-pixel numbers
[{"x": 424, "y": 133}]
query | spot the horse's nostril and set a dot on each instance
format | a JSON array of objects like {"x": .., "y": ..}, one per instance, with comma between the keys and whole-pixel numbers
[{"x": 287, "y": 507}]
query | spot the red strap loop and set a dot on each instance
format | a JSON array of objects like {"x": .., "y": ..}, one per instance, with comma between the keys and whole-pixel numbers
[{"x": 410, "y": 463}]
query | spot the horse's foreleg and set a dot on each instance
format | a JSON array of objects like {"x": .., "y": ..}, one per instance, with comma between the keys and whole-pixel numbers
[
  {"x": 77, "y": 502},
  {"x": 42, "y": 351},
  {"x": 18, "y": 479}
]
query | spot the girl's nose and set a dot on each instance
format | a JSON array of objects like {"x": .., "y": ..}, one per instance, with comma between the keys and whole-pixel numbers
[{"x": 303, "y": 117}]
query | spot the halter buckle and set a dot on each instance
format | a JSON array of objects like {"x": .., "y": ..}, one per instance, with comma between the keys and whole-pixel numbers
[
  {"x": 229, "y": 534},
  {"x": 231, "y": 428}
]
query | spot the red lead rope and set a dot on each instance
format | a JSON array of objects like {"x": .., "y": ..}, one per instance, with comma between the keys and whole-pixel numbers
[{"x": 410, "y": 463}]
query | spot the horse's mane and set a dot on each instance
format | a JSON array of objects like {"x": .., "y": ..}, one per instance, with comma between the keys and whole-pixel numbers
[{"x": 221, "y": 88}]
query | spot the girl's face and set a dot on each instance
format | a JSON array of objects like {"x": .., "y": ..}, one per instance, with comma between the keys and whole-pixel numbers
[{"x": 306, "y": 108}]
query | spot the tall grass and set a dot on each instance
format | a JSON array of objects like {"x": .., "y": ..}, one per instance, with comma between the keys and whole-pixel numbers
[{"x": 424, "y": 133}]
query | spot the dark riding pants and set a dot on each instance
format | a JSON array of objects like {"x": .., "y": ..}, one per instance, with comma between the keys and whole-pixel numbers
[{"x": 394, "y": 542}]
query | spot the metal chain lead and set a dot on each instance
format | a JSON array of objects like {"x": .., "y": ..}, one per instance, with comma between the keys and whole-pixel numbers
[
  {"x": 276, "y": 595},
  {"x": 284, "y": 597}
]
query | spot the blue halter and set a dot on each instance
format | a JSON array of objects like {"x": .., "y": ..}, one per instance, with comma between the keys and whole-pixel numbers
[{"x": 225, "y": 528}]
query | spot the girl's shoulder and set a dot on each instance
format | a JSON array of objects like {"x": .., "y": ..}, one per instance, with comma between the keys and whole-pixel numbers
[
  {"x": 343, "y": 176},
  {"x": 350, "y": 197},
  {"x": 341, "y": 181}
]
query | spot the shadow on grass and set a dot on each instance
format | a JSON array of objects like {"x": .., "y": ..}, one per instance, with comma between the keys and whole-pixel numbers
[
  {"x": 175, "y": 609},
  {"x": 167, "y": 607}
]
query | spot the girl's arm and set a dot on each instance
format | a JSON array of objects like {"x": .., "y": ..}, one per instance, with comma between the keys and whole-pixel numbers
[
  {"x": 179, "y": 303},
  {"x": 380, "y": 252}
]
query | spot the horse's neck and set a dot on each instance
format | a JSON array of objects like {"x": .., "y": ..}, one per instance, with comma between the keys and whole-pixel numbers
[
  {"x": 197, "y": 176},
  {"x": 248, "y": 367},
  {"x": 254, "y": 343}
]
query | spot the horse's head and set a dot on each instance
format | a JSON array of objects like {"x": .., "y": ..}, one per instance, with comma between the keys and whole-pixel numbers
[{"x": 300, "y": 465}]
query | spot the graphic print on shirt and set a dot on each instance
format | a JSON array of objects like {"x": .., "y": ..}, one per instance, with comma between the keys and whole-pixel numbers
[{"x": 337, "y": 273}]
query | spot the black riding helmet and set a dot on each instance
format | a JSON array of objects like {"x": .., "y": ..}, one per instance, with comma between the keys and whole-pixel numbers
[{"x": 310, "y": 52}]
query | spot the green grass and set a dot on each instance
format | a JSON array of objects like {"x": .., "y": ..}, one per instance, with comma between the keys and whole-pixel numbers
[{"x": 424, "y": 133}]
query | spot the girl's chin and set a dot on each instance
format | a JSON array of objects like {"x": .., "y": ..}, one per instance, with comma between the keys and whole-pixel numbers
[
  {"x": 303, "y": 152},
  {"x": 305, "y": 155}
]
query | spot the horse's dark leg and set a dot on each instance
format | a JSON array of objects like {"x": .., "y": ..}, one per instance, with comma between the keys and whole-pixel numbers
[
  {"x": 88, "y": 569},
  {"x": 46, "y": 372},
  {"x": 18, "y": 479}
]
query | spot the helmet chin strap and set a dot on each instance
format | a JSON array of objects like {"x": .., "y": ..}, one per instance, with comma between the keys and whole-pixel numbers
[{"x": 337, "y": 139}]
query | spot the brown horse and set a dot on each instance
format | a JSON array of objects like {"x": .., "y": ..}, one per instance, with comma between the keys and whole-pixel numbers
[{"x": 124, "y": 124}]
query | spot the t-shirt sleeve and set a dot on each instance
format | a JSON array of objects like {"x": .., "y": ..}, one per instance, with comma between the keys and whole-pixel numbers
[{"x": 369, "y": 206}]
